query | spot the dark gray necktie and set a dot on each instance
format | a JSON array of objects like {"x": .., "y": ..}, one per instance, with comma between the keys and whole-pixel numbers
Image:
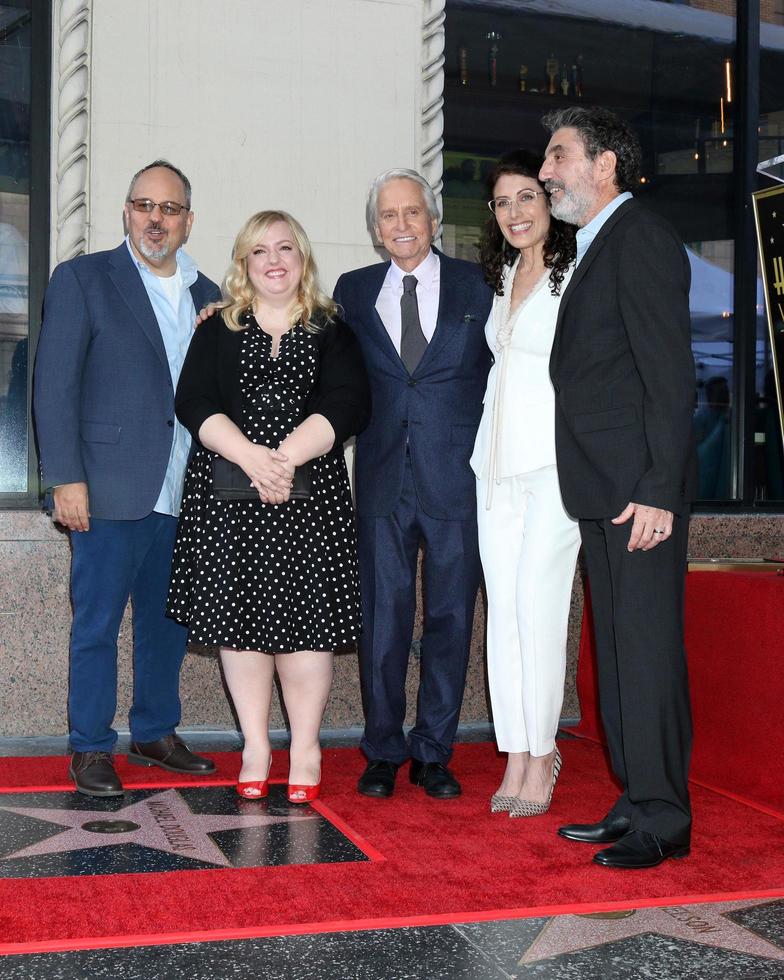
[{"x": 412, "y": 341}]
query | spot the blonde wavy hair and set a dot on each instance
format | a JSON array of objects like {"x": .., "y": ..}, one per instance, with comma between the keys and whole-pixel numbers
[{"x": 312, "y": 306}]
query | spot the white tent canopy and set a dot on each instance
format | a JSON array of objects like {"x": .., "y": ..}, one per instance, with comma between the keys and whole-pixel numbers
[{"x": 711, "y": 300}]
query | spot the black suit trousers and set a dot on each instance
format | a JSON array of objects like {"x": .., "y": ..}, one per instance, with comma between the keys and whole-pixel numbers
[{"x": 637, "y": 601}]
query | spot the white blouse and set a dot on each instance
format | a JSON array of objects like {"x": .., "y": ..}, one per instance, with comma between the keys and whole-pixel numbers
[{"x": 517, "y": 430}]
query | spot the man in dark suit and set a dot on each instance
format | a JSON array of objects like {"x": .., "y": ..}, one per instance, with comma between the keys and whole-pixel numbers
[
  {"x": 116, "y": 328},
  {"x": 420, "y": 320},
  {"x": 623, "y": 374}
]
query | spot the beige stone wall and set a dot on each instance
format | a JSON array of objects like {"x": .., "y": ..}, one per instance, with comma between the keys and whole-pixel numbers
[
  {"x": 35, "y": 624},
  {"x": 294, "y": 105}
]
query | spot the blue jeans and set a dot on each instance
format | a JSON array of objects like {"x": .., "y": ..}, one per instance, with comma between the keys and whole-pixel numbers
[{"x": 111, "y": 562}]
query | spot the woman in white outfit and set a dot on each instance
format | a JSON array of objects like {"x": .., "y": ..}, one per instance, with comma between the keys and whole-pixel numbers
[{"x": 527, "y": 541}]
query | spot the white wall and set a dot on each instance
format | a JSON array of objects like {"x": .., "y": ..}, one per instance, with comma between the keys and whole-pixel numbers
[{"x": 295, "y": 104}]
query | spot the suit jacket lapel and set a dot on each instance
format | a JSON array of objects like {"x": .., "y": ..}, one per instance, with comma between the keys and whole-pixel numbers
[
  {"x": 129, "y": 284},
  {"x": 451, "y": 310},
  {"x": 585, "y": 263},
  {"x": 200, "y": 293},
  {"x": 376, "y": 329}
]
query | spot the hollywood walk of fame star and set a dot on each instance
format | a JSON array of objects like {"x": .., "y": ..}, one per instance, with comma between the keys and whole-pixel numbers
[
  {"x": 163, "y": 822},
  {"x": 706, "y": 924}
]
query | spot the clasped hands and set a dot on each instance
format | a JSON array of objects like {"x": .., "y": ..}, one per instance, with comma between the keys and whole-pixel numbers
[
  {"x": 270, "y": 471},
  {"x": 651, "y": 526}
]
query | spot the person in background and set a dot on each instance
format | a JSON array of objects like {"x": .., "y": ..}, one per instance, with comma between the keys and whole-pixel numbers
[
  {"x": 712, "y": 434},
  {"x": 527, "y": 541}
]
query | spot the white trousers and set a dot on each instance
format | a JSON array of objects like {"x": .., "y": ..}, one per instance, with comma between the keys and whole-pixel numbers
[{"x": 528, "y": 544}]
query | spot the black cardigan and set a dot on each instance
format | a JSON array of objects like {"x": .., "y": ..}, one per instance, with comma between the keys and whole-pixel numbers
[{"x": 210, "y": 379}]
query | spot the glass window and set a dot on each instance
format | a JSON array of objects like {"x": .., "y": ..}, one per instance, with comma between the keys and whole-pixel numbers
[
  {"x": 15, "y": 103},
  {"x": 668, "y": 68},
  {"x": 768, "y": 453}
]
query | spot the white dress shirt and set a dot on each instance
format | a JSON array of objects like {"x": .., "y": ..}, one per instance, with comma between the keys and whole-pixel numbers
[{"x": 428, "y": 276}]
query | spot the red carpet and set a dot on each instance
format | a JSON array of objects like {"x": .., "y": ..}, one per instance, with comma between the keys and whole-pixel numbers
[
  {"x": 444, "y": 861},
  {"x": 734, "y": 625}
]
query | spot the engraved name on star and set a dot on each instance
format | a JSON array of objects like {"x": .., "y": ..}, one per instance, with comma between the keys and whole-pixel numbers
[
  {"x": 706, "y": 924},
  {"x": 165, "y": 823}
]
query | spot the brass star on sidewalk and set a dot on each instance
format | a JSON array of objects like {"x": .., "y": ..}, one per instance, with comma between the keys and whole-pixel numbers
[{"x": 163, "y": 822}]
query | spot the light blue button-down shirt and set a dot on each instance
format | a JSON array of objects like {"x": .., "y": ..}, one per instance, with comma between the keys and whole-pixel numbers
[
  {"x": 587, "y": 234},
  {"x": 176, "y": 328}
]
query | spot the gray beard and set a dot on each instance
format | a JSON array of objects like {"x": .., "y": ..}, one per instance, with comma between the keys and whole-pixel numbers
[
  {"x": 154, "y": 253},
  {"x": 569, "y": 209}
]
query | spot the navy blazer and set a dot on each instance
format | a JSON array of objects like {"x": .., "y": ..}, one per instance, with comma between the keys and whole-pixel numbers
[
  {"x": 434, "y": 413},
  {"x": 103, "y": 393}
]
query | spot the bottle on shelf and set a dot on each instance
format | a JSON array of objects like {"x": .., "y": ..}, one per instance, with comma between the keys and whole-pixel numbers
[
  {"x": 551, "y": 70},
  {"x": 462, "y": 63},
  {"x": 493, "y": 37},
  {"x": 578, "y": 81}
]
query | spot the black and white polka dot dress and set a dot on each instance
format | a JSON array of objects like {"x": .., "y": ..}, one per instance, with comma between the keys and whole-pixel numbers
[{"x": 254, "y": 576}]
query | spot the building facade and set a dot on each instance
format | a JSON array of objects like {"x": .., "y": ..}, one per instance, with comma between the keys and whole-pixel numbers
[{"x": 299, "y": 106}]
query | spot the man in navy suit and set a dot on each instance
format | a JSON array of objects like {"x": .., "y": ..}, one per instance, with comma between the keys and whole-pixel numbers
[
  {"x": 116, "y": 328},
  {"x": 420, "y": 320}
]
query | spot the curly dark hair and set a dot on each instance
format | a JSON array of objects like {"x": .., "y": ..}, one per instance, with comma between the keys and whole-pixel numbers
[
  {"x": 495, "y": 252},
  {"x": 602, "y": 130}
]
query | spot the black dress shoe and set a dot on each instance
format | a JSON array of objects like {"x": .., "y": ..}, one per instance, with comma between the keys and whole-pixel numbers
[
  {"x": 611, "y": 829},
  {"x": 435, "y": 778},
  {"x": 169, "y": 752},
  {"x": 639, "y": 849},
  {"x": 378, "y": 779},
  {"x": 94, "y": 774}
]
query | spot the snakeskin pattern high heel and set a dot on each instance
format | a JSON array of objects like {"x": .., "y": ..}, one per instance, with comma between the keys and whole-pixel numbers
[
  {"x": 501, "y": 804},
  {"x": 528, "y": 808}
]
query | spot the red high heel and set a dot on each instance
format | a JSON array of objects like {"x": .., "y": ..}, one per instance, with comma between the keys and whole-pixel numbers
[
  {"x": 303, "y": 794},
  {"x": 257, "y": 789}
]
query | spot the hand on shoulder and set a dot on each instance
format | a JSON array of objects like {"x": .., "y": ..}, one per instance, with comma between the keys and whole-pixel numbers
[{"x": 207, "y": 311}]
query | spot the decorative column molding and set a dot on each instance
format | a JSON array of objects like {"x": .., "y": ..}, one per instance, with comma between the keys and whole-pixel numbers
[
  {"x": 432, "y": 98},
  {"x": 71, "y": 135}
]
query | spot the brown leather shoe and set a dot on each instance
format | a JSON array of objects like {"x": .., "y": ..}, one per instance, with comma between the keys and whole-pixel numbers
[
  {"x": 170, "y": 752},
  {"x": 94, "y": 774}
]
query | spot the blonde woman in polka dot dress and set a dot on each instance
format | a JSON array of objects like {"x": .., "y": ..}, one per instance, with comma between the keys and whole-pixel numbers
[{"x": 272, "y": 380}]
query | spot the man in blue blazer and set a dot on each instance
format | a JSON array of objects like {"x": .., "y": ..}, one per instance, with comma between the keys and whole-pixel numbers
[
  {"x": 115, "y": 331},
  {"x": 420, "y": 320}
]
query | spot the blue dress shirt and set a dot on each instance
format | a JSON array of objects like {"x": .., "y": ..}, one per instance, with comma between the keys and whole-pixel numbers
[
  {"x": 587, "y": 234},
  {"x": 176, "y": 328}
]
